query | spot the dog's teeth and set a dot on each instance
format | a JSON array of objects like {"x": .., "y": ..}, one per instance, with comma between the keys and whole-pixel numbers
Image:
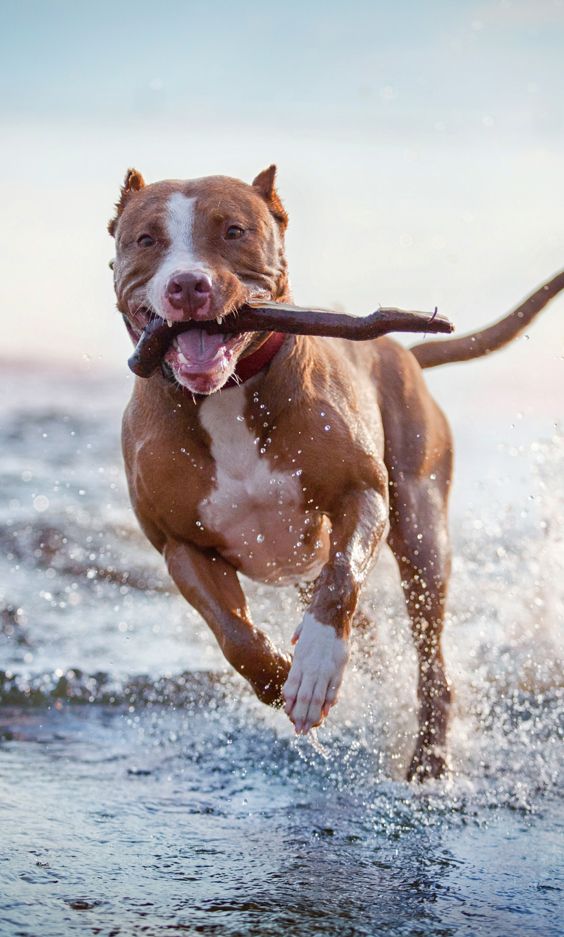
[
  {"x": 169, "y": 323},
  {"x": 219, "y": 320}
]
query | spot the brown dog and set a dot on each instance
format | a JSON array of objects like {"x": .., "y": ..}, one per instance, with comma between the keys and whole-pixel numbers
[{"x": 316, "y": 453}]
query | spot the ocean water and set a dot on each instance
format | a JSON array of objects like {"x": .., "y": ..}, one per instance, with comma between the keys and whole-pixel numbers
[{"x": 144, "y": 790}]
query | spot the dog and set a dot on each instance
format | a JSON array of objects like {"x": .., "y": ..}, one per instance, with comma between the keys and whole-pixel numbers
[{"x": 287, "y": 458}]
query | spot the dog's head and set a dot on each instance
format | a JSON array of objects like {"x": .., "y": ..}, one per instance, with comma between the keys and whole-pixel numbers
[{"x": 194, "y": 251}]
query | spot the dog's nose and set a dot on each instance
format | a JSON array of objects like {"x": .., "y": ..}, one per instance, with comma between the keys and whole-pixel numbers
[{"x": 189, "y": 291}]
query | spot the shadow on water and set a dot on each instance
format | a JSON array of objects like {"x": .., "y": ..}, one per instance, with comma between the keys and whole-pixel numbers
[{"x": 143, "y": 790}]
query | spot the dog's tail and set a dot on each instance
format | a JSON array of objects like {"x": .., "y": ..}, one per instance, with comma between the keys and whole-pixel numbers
[{"x": 478, "y": 344}]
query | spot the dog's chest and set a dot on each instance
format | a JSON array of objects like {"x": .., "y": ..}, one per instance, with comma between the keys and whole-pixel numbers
[{"x": 256, "y": 510}]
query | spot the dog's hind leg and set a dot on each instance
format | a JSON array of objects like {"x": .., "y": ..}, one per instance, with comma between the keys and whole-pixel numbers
[{"x": 419, "y": 540}]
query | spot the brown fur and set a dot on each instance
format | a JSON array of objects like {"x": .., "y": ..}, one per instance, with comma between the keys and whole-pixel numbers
[{"x": 382, "y": 470}]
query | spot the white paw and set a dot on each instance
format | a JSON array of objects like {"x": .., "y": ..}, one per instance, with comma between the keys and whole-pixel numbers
[{"x": 316, "y": 673}]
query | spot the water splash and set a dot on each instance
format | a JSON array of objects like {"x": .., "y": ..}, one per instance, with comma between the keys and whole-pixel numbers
[{"x": 168, "y": 756}]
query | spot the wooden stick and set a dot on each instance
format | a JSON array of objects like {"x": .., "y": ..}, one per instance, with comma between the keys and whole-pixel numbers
[{"x": 281, "y": 317}]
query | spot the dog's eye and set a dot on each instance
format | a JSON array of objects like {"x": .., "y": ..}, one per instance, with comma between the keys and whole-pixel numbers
[
  {"x": 234, "y": 231},
  {"x": 145, "y": 240}
]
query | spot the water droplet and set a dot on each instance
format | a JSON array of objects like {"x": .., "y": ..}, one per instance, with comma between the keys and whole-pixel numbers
[
  {"x": 260, "y": 538},
  {"x": 327, "y": 427}
]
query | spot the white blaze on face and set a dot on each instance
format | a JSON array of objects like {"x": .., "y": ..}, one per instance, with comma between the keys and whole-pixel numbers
[{"x": 182, "y": 255}]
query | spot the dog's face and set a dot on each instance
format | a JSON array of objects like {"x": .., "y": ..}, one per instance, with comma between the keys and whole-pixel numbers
[{"x": 198, "y": 250}]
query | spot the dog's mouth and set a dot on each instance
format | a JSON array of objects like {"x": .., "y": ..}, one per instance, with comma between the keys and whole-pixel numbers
[
  {"x": 200, "y": 355},
  {"x": 196, "y": 352},
  {"x": 203, "y": 362}
]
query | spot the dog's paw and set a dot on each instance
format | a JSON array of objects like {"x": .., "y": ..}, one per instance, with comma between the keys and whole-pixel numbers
[{"x": 316, "y": 674}]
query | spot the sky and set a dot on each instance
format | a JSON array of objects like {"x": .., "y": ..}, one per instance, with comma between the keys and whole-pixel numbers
[{"x": 420, "y": 149}]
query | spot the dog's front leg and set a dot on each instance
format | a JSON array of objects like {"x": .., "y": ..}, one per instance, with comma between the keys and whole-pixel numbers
[
  {"x": 212, "y": 587},
  {"x": 322, "y": 639}
]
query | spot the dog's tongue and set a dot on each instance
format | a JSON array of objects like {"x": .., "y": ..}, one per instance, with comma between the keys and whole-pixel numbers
[{"x": 198, "y": 346}]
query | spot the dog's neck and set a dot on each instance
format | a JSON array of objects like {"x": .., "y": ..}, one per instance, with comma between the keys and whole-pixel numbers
[{"x": 251, "y": 365}]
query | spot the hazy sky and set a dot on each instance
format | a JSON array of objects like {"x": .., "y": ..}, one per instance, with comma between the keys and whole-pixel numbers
[{"x": 420, "y": 149}]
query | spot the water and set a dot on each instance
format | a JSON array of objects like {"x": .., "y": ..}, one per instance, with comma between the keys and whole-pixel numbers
[{"x": 143, "y": 789}]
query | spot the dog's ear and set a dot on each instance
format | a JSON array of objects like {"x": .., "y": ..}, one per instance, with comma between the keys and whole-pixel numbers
[
  {"x": 264, "y": 184},
  {"x": 133, "y": 182}
]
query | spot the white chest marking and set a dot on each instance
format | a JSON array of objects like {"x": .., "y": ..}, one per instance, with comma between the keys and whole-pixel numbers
[
  {"x": 256, "y": 509},
  {"x": 182, "y": 255},
  {"x": 242, "y": 474}
]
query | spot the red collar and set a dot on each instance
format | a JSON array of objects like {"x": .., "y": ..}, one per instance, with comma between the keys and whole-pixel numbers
[{"x": 250, "y": 365}]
